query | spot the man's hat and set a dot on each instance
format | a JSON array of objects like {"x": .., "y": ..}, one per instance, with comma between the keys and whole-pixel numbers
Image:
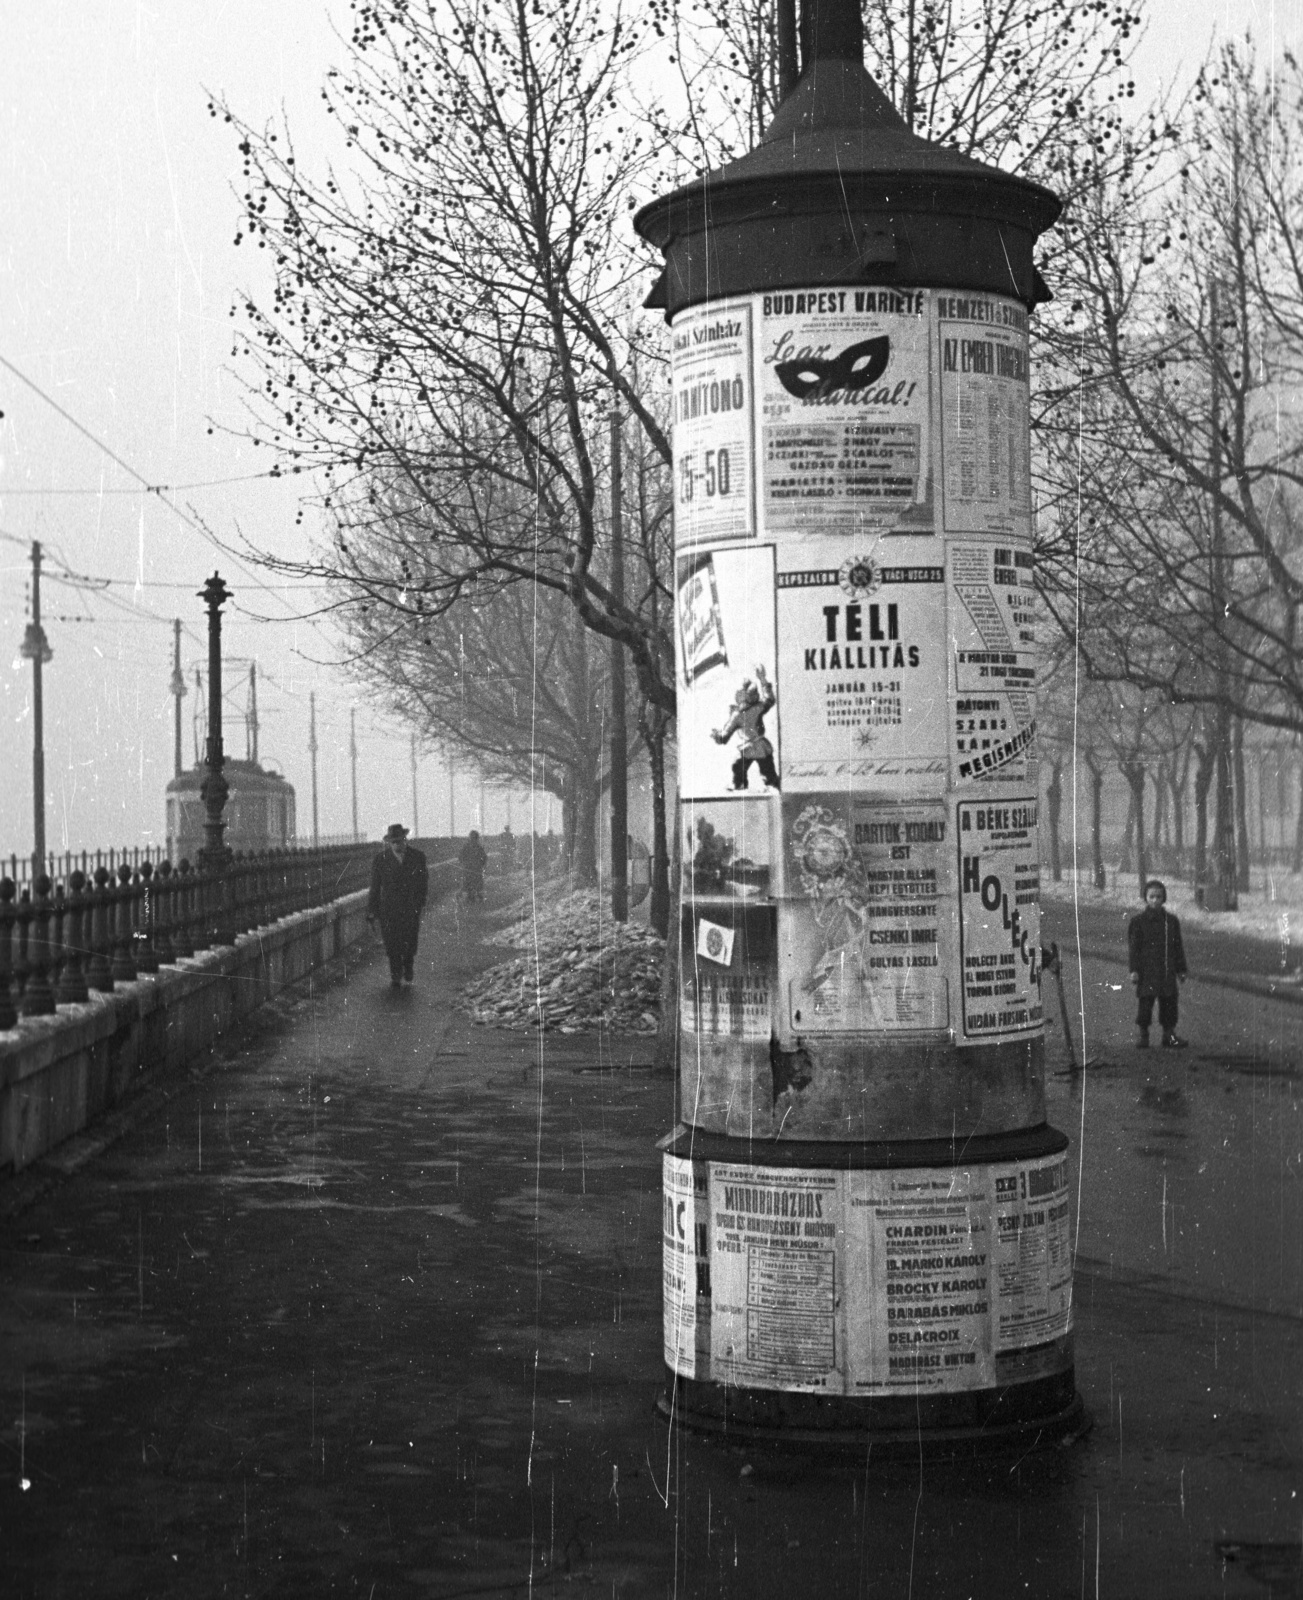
[{"x": 396, "y": 831}]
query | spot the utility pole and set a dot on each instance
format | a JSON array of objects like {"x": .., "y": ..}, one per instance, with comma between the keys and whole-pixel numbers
[
  {"x": 452, "y": 799},
  {"x": 312, "y": 750},
  {"x": 619, "y": 730},
  {"x": 416, "y": 821},
  {"x": 199, "y": 728},
  {"x": 36, "y": 648},
  {"x": 178, "y": 695},
  {"x": 482, "y": 827},
  {"x": 1222, "y": 893},
  {"x": 352, "y": 755},
  {"x": 252, "y": 732}
]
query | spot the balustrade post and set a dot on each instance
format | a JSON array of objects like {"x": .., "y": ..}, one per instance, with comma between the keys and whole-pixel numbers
[
  {"x": 183, "y": 919},
  {"x": 38, "y": 995},
  {"x": 8, "y": 1016},
  {"x": 164, "y": 914},
  {"x": 76, "y": 919},
  {"x": 23, "y": 932},
  {"x": 147, "y": 955},
  {"x": 124, "y": 955},
  {"x": 99, "y": 974}
]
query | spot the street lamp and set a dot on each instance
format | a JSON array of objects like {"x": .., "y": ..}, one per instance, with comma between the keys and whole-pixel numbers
[{"x": 36, "y": 649}]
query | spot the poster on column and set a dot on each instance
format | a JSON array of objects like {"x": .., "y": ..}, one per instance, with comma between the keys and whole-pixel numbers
[
  {"x": 729, "y": 715},
  {"x": 985, "y": 414},
  {"x": 1032, "y": 1253},
  {"x": 993, "y": 637},
  {"x": 918, "y": 1253},
  {"x": 710, "y": 378},
  {"x": 775, "y": 1286},
  {"x": 845, "y": 406},
  {"x": 867, "y": 945},
  {"x": 685, "y": 1266},
  {"x": 999, "y": 916},
  {"x": 862, "y": 667}
]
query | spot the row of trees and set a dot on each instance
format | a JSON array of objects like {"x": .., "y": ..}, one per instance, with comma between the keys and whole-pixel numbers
[
  {"x": 1171, "y": 448},
  {"x": 454, "y": 321},
  {"x": 455, "y": 317}
]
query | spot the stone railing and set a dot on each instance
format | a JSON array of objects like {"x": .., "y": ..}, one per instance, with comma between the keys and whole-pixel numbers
[{"x": 60, "y": 939}]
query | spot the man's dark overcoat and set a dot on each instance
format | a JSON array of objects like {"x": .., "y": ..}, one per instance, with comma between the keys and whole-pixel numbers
[
  {"x": 398, "y": 891},
  {"x": 1156, "y": 952}
]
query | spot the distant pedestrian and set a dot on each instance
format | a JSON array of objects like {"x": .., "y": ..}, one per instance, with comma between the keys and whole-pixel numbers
[
  {"x": 400, "y": 882},
  {"x": 1157, "y": 966},
  {"x": 474, "y": 858}
]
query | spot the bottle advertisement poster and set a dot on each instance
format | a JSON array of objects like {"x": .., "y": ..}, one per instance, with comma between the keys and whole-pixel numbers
[
  {"x": 710, "y": 380},
  {"x": 999, "y": 916},
  {"x": 866, "y": 940},
  {"x": 845, "y": 401},
  {"x": 861, "y": 662}
]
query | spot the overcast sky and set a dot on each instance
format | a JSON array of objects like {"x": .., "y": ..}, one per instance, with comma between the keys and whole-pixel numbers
[{"x": 117, "y": 275}]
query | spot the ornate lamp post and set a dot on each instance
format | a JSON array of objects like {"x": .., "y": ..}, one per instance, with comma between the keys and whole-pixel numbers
[{"x": 214, "y": 856}]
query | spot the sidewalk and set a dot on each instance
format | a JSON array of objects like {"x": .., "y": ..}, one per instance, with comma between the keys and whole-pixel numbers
[{"x": 372, "y": 1306}]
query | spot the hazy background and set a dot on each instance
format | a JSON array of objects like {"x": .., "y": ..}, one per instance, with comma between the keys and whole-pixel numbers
[{"x": 117, "y": 276}]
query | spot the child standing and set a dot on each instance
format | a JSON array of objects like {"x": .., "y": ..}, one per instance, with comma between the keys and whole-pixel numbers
[{"x": 1157, "y": 966}]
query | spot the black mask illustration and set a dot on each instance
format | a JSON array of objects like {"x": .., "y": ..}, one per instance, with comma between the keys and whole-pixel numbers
[{"x": 855, "y": 368}]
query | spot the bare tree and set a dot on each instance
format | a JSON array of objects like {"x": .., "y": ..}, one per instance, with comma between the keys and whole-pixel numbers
[
  {"x": 510, "y": 679},
  {"x": 451, "y": 317}
]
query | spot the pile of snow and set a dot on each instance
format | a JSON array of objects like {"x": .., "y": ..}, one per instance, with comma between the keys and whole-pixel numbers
[{"x": 580, "y": 971}]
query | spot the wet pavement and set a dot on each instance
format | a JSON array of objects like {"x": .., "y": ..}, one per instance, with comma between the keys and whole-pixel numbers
[{"x": 371, "y": 1305}]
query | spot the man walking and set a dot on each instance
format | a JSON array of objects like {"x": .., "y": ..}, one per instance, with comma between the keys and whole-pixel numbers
[
  {"x": 1157, "y": 959},
  {"x": 400, "y": 882}
]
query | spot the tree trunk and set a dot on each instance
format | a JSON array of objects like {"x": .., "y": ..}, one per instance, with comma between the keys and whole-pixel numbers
[
  {"x": 1054, "y": 801},
  {"x": 1129, "y": 832},
  {"x": 1097, "y": 827},
  {"x": 1176, "y": 787},
  {"x": 1241, "y": 808},
  {"x": 1203, "y": 780},
  {"x": 655, "y": 725},
  {"x": 1298, "y": 826},
  {"x": 1222, "y": 889},
  {"x": 1134, "y": 773},
  {"x": 1159, "y": 836},
  {"x": 583, "y": 857},
  {"x": 667, "y": 1034}
]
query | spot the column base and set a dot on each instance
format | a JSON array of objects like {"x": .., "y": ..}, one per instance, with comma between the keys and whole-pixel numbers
[{"x": 1044, "y": 1414}]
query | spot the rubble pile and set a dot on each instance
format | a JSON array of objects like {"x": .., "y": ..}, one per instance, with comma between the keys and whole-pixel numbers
[{"x": 579, "y": 971}]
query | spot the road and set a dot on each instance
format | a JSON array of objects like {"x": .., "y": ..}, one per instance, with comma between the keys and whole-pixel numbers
[{"x": 371, "y": 1306}]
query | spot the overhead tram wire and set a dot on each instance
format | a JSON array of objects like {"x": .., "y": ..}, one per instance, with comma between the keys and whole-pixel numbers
[
  {"x": 140, "y": 478},
  {"x": 160, "y": 488}
]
